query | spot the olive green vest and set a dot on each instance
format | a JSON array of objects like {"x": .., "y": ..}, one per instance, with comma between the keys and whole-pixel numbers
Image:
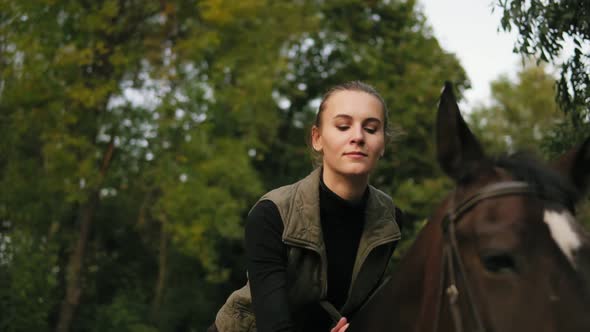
[{"x": 298, "y": 205}]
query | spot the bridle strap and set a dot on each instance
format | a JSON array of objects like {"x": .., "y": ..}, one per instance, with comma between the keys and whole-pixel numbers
[
  {"x": 451, "y": 258},
  {"x": 451, "y": 291},
  {"x": 493, "y": 190}
]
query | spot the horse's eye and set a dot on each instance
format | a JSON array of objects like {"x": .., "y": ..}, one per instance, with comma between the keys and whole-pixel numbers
[{"x": 499, "y": 263}]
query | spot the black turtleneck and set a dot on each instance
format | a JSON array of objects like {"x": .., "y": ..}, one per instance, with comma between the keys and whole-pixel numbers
[{"x": 342, "y": 225}]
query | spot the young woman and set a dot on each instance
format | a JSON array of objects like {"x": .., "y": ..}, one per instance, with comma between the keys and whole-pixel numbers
[{"x": 317, "y": 249}]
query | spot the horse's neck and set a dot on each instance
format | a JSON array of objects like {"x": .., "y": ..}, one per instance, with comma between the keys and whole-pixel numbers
[
  {"x": 418, "y": 281},
  {"x": 410, "y": 301}
]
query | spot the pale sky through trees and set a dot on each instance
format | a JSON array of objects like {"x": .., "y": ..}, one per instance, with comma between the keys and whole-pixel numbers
[{"x": 469, "y": 29}]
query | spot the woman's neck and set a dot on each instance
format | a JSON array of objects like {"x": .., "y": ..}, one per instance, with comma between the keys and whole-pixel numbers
[{"x": 350, "y": 188}]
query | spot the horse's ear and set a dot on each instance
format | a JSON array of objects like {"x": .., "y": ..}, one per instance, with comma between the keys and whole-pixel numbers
[
  {"x": 459, "y": 153},
  {"x": 575, "y": 165}
]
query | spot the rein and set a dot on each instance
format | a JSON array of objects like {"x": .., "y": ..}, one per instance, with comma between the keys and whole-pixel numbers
[{"x": 451, "y": 259}]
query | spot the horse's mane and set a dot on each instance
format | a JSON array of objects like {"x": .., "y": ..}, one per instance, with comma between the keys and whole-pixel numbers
[{"x": 550, "y": 185}]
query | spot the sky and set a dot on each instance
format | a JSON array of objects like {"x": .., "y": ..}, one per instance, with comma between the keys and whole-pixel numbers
[{"x": 470, "y": 30}]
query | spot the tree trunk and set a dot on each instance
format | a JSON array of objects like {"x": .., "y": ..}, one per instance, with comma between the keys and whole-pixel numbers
[
  {"x": 162, "y": 271},
  {"x": 74, "y": 268}
]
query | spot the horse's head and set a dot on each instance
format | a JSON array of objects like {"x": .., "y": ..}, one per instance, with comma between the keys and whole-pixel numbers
[
  {"x": 503, "y": 252},
  {"x": 510, "y": 236}
]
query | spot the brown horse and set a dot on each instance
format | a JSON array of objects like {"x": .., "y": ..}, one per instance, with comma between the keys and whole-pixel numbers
[{"x": 503, "y": 252}]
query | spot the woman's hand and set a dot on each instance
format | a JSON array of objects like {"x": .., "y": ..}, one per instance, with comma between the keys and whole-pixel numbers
[{"x": 341, "y": 326}]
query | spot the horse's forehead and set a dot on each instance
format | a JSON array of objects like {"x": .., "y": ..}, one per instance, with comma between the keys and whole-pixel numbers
[{"x": 565, "y": 232}]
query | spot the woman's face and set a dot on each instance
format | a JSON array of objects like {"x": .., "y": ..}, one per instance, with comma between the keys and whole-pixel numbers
[{"x": 351, "y": 134}]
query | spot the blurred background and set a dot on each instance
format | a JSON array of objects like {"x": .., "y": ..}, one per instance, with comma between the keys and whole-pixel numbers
[{"x": 135, "y": 135}]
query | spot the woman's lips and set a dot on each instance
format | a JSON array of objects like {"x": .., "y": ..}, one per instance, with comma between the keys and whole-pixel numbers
[{"x": 355, "y": 154}]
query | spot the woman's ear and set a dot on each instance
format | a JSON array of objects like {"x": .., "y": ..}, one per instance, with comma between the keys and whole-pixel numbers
[{"x": 316, "y": 139}]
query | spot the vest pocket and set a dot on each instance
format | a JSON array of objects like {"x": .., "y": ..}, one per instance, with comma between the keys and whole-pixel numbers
[{"x": 236, "y": 314}]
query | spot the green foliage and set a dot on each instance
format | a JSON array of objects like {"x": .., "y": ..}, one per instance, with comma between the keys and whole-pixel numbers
[
  {"x": 125, "y": 314},
  {"x": 206, "y": 106},
  {"x": 521, "y": 114},
  {"x": 28, "y": 266},
  {"x": 205, "y": 202},
  {"x": 418, "y": 199},
  {"x": 544, "y": 29}
]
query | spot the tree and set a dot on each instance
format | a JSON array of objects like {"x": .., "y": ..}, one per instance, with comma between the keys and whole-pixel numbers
[
  {"x": 80, "y": 157},
  {"x": 544, "y": 28},
  {"x": 135, "y": 137},
  {"x": 521, "y": 114}
]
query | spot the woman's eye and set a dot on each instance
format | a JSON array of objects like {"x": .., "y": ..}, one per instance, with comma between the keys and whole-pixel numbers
[
  {"x": 370, "y": 130},
  {"x": 342, "y": 128}
]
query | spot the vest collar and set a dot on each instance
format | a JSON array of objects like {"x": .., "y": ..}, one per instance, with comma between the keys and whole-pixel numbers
[{"x": 303, "y": 225}]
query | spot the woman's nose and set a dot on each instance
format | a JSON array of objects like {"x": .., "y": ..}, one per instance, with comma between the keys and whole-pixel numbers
[{"x": 358, "y": 135}]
